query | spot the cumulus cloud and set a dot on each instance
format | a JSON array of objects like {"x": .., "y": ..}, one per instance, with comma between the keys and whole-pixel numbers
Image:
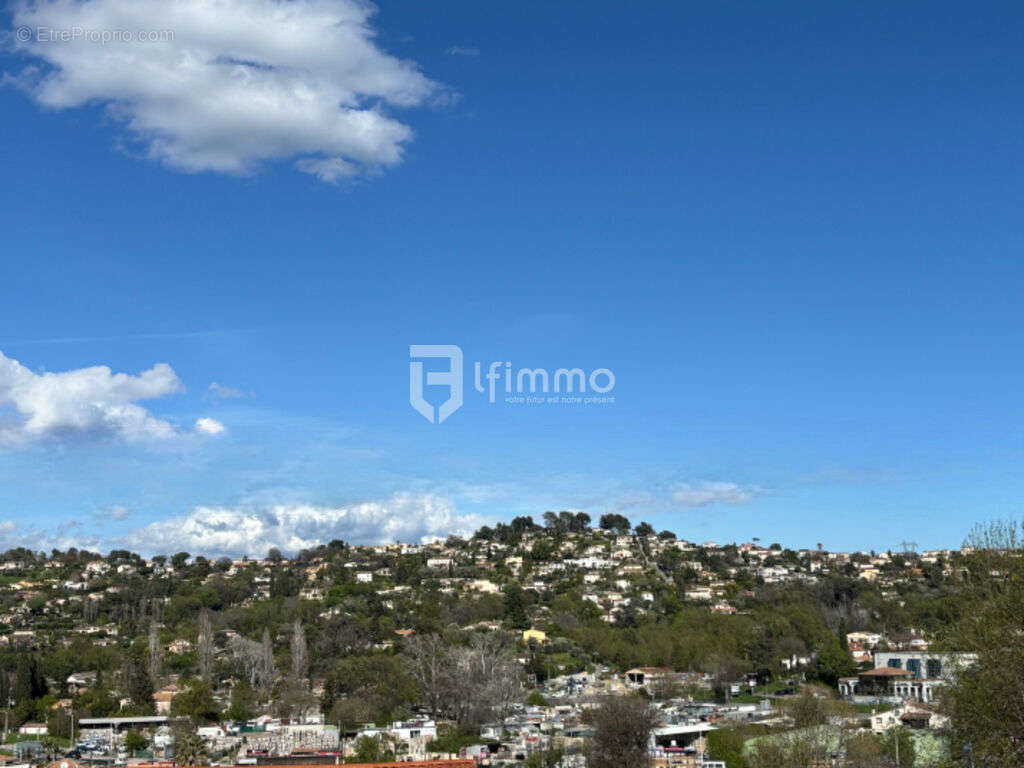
[
  {"x": 707, "y": 493},
  {"x": 226, "y": 86},
  {"x": 208, "y": 426},
  {"x": 84, "y": 402},
  {"x": 216, "y": 531}
]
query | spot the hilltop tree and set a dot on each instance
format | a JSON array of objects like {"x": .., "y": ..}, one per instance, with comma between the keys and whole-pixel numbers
[
  {"x": 179, "y": 559},
  {"x": 644, "y": 529},
  {"x": 616, "y": 523}
]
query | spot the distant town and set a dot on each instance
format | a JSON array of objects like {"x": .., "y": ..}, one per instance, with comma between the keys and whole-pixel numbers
[{"x": 547, "y": 643}]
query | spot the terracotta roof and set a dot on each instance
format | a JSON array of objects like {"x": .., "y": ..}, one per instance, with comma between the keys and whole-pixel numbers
[{"x": 885, "y": 672}]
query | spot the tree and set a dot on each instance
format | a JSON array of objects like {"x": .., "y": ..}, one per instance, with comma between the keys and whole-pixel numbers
[
  {"x": 617, "y": 523},
  {"x": 155, "y": 655},
  {"x": 833, "y": 663},
  {"x": 864, "y": 750},
  {"x": 196, "y": 702},
  {"x": 50, "y": 746},
  {"x": 547, "y": 757},
  {"x": 243, "y": 700},
  {"x": 58, "y": 723},
  {"x": 374, "y": 749},
  {"x": 580, "y": 522},
  {"x": 300, "y": 656},
  {"x": 726, "y": 744},
  {"x": 515, "y": 606},
  {"x": 268, "y": 672},
  {"x": 428, "y": 659},
  {"x": 190, "y": 750},
  {"x": 138, "y": 683},
  {"x": 898, "y": 743},
  {"x": 205, "y": 643},
  {"x": 622, "y": 730},
  {"x": 644, "y": 529},
  {"x": 29, "y": 682},
  {"x": 536, "y": 699},
  {"x": 134, "y": 741},
  {"x": 179, "y": 559},
  {"x": 985, "y": 703},
  {"x": 814, "y": 706},
  {"x": 378, "y": 682}
]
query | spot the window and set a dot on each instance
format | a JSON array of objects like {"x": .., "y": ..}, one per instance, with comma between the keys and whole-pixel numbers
[
  {"x": 914, "y": 666},
  {"x": 896, "y": 663},
  {"x": 934, "y": 668}
]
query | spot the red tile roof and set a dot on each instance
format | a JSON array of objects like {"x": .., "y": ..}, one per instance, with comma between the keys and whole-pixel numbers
[{"x": 885, "y": 672}]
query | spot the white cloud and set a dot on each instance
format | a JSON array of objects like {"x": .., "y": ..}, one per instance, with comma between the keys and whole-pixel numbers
[
  {"x": 216, "y": 531},
  {"x": 117, "y": 512},
  {"x": 460, "y": 50},
  {"x": 208, "y": 426},
  {"x": 225, "y": 86},
  {"x": 224, "y": 392},
  {"x": 85, "y": 402},
  {"x": 707, "y": 493}
]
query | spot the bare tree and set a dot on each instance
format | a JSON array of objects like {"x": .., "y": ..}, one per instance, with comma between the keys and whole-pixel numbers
[
  {"x": 255, "y": 661},
  {"x": 428, "y": 659},
  {"x": 155, "y": 655},
  {"x": 206, "y": 648},
  {"x": 300, "y": 655},
  {"x": 487, "y": 678},
  {"x": 470, "y": 683},
  {"x": 248, "y": 656},
  {"x": 622, "y": 733}
]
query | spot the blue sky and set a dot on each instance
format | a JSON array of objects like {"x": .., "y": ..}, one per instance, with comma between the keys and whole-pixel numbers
[{"x": 791, "y": 232}]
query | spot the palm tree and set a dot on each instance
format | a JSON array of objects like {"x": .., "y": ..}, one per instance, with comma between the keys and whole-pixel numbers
[
  {"x": 190, "y": 750},
  {"x": 50, "y": 746}
]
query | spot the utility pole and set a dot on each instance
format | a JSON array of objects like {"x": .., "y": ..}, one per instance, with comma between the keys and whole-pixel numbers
[{"x": 896, "y": 736}]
